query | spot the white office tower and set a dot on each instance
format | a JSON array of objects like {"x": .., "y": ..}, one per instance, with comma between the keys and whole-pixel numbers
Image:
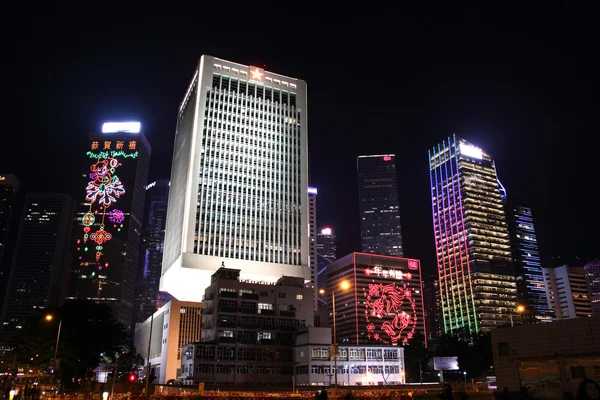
[{"x": 238, "y": 192}]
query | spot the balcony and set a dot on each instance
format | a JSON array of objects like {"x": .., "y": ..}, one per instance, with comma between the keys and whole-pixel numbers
[
  {"x": 247, "y": 340},
  {"x": 232, "y": 310},
  {"x": 249, "y": 296},
  {"x": 229, "y": 295},
  {"x": 287, "y": 313},
  {"x": 226, "y": 324},
  {"x": 267, "y": 341},
  {"x": 287, "y": 328},
  {"x": 248, "y": 325},
  {"x": 248, "y": 310},
  {"x": 267, "y": 312},
  {"x": 225, "y": 339}
]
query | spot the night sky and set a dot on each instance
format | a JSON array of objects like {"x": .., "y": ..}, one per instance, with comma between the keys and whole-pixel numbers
[{"x": 520, "y": 82}]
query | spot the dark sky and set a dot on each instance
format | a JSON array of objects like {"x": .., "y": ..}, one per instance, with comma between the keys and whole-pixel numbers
[{"x": 520, "y": 82}]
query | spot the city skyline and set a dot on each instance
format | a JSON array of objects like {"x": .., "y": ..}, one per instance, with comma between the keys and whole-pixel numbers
[{"x": 451, "y": 82}]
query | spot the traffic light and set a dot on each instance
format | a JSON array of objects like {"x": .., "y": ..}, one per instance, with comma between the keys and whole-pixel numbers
[{"x": 132, "y": 378}]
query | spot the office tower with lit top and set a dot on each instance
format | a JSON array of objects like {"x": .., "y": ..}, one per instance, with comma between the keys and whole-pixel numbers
[
  {"x": 312, "y": 229},
  {"x": 476, "y": 273},
  {"x": 148, "y": 298},
  {"x": 326, "y": 254},
  {"x": 239, "y": 179},
  {"x": 378, "y": 204},
  {"x": 531, "y": 289},
  {"x": 383, "y": 301},
  {"x": 40, "y": 267},
  {"x": 109, "y": 218}
]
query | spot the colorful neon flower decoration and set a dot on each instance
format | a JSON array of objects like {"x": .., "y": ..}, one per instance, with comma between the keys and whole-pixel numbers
[
  {"x": 116, "y": 216},
  {"x": 88, "y": 219},
  {"x": 101, "y": 236}
]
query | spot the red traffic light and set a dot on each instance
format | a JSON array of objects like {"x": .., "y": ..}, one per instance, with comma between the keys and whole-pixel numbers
[{"x": 132, "y": 378}]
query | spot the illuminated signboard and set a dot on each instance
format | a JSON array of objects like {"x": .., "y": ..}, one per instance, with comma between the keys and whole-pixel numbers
[
  {"x": 312, "y": 190},
  {"x": 445, "y": 363},
  {"x": 387, "y": 158},
  {"x": 150, "y": 185},
  {"x": 471, "y": 151},
  {"x": 2, "y": 178},
  {"x": 108, "y": 190},
  {"x": 130, "y": 127},
  {"x": 257, "y": 74},
  {"x": 326, "y": 231},
  {"x": 390, "y": 308}
]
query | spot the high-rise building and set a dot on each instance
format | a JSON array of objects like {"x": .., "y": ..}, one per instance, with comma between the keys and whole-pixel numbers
[
  {"x": 9, "y": 187},
  {"x": 592, "y": 274},
  {"x": 40, "y": 268},
  {"x": 477, "y": 281},
  {"x": 239, "y": 180},
  {"x": 148, "y": 298},
  {"x": 531, "y": 289},
  {"x": 379, "y": 207},
  {"x": 567, "y": 292},
  {"x": 109, "y": 218},
  {"x": 383, "y": 303},
  {"x": 312, "y": 231},
  {"x": 326, "y": 254},
  {"x": 433, "y": 307}
]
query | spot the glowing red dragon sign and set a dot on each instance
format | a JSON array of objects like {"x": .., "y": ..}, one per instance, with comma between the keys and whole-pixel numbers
[{"x": 390, "y": 312}]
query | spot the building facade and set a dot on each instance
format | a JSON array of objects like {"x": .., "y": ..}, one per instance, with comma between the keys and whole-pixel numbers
[
  {"x": 248, "y": 331},
  {"x": 148, "y": 298},
  {"x": 239, "y": 180},
  {"x": 379, "y": 206},
  {"x": 173, "y": 326},
  {"x": 531, "y": 288},
  {"x": 40, "y": 268},
  {"x": 592, "y": 275},
  {"x": 312, "y": 231},
  {"x": 549, "y": 360},
  {"x": 477, "y": 281},
  {"x": 109, "y": 218},
  {"x": 384, "y": 302},
  {"x": 326, "y": 254},
  {"x": 9, "y": 188},
  {"x": 567, "y": 292},
  {"x": 357, "y": 365},
  {"x": 433, "y": 307}
]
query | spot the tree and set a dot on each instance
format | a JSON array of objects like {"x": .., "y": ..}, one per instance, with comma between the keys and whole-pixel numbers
[
  {"x": 88, "y": 330},
  {"x": 126, "y": 360}
]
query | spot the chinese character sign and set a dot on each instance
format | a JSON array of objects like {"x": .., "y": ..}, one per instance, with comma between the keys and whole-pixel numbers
[{"x": 390, "y": 309}]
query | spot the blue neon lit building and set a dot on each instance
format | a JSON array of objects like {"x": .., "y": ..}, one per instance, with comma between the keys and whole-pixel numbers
[
  {"x": 476, "y": 274},
  {"x": 526, "y": 258}
]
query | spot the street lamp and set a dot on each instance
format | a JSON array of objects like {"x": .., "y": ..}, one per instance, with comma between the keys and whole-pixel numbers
[
  {"x": 49, "y": 318},
  {"x": 520, "y": 310},
  {"x": 465, "y": 376},
  {"x": 344, "y": 285}
]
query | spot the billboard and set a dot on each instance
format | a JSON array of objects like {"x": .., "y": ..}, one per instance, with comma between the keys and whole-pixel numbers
[
  {"x": 389, "y": 297},
  {"x": 445, "y": 363}
]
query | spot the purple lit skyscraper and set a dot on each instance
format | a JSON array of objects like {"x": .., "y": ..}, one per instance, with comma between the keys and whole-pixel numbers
[{"x": 476, "y": 274}]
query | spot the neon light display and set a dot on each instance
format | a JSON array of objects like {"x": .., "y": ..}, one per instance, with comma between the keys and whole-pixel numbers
[
  {"x": 112, "y": 127},
  {"x": 116, "y": 216},
  {"x": 390, "y": 312}
]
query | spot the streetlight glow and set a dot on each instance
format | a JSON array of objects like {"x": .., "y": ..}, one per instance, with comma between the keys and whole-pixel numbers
[
  {"x": 49, "y": 317},
  {"x": 321, "y": 291},
  {"x": 345, "y": 285},
  {"x": 520, "y": 308}
]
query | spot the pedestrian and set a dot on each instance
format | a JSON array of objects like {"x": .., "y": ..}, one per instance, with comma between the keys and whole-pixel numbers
[
  {"x": 588, "y": 390},
  {"x": 323, "y": 395},
  {"x": 447, "y": 393}
]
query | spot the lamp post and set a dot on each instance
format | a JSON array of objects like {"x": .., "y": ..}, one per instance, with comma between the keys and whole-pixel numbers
[
  {"x": 49, "y": 318},
  {"x": 344, "y": 285},
  {"x": 520, "y": 309}
]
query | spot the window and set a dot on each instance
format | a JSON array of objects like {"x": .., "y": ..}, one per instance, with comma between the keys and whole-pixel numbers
[
  {"x": 264, "y": 294},
  {"x": 503, "y": 349},
  {"x": 319, "y": 353},
  {"x": 264, "y": 335},
  {"x": 281, "y": 295},
  {"x": 299, "y": 297},
  {"x": 265, "y": 306}
]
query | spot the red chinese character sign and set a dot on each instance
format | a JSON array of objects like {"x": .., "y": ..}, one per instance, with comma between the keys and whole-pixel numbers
[{"x": 390, "y": 312}]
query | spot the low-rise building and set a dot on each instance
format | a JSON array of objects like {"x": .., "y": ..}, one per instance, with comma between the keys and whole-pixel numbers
[
  {"x": 174, "y": 325},
  {"x": 547, "y": 359},
  {"x": 356, "y": 364},
  {"x": 248, "y": 331}
]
